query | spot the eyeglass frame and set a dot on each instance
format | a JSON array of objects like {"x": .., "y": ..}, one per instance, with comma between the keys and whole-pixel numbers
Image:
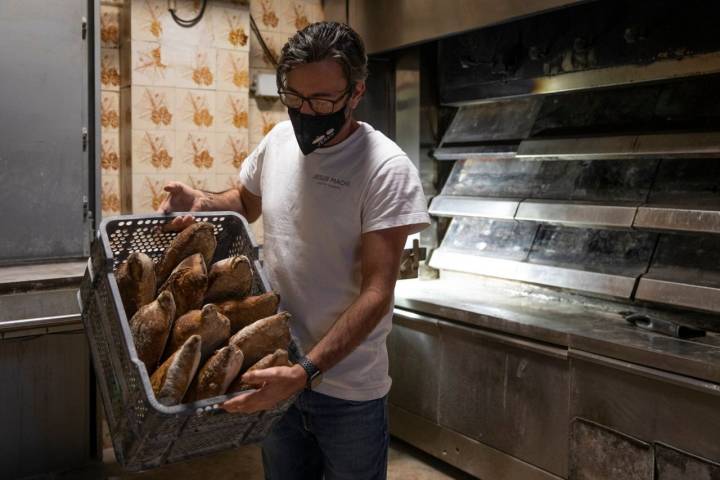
[{"x": 347, "y": 92}]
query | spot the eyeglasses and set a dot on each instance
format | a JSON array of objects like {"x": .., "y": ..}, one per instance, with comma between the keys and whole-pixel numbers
[{"x": 321, "y": 106}]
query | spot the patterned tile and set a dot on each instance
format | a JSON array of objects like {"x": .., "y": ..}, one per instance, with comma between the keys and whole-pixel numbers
[
  {"x": 110, "y": 69},
  {"x": 264, "y": 115},
  {"x": 148, "y": 193},
  {"x": 153, "y": 151},
  {"x": 195, "y": 110},
  {"x": 110, "y": 194},
  {"x": 152, "y": 108},
  {"x": 232, "y": 112},
  {"x": 196, "y": 152},
  {"x": 109, "y": 112},
  {"x": 152, "y": 63},
  {"x": 109, "y": 26},
  {"x": 196, "y": 67},
  {"x": 275, "y": 41},
  {"x": 110, "y": 153},
  {"x": 148, "y": 19},
  {"x": 231, "y": 151},
  {"x": 231, "y": 27},
  {"x": 267, "y": 13},
  {"x": 233, "y": 70}
]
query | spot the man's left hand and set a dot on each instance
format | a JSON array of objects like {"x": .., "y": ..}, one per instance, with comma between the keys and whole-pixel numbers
[{"x": 274, "y": 385}]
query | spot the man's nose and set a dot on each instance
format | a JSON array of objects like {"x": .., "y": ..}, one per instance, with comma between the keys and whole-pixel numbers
[{"x": 305, "y": 108}]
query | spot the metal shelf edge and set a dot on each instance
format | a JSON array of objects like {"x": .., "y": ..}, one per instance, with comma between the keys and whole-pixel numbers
[
  {"x": 449, "y": 206},
  {"x": 560, "y": 277},
  {"x": 680, "y": 219},
  {"x": 679, "y": 294},
  {"x": 576, "y": 213}
]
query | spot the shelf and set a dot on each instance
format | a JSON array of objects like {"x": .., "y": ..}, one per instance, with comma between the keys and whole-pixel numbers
[{"x": 450, "y": 206}]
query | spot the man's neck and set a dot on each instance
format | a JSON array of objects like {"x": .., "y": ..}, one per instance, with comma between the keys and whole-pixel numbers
[{"x": 350, "y": 126}]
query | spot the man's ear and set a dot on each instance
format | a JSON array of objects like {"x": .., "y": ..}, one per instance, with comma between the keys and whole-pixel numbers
[{"x": 357, "y": 94}]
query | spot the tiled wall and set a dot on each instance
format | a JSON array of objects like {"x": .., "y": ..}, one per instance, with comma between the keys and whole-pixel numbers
[
  {"x": 110, "y": 114},
  {"x": 176, "y": 101}
]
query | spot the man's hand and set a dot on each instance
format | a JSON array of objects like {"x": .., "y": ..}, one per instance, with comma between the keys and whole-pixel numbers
[
  {"x": 274, "y": 385},
  {"x": 181, "y": 198}
]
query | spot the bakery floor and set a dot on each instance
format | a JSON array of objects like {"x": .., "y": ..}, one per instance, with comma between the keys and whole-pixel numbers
[{"x": 405, "y": 463}]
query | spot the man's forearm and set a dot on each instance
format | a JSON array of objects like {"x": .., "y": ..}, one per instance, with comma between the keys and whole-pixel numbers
[
  {"x": 351, "y": 328},
  {"x": 227, "y": 200}
]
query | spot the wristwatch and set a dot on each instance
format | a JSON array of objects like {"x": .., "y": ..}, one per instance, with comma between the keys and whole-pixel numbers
[{"x": 314, "y": 376}]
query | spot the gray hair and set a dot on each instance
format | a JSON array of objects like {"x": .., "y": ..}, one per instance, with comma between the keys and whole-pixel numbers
[{"x": 320, "y": 41}]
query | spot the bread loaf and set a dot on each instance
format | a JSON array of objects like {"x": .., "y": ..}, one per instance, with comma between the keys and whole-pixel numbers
[
  {"x": 242, "y": 313},
  {"x": 150, "y": 328},
  {"x": 197, "y": 238},
  {"x": 279, "y": 358},
  {"x": 136, "y": 282},
  {"x": 187, "y": 282},
  {"x": 230, "y": 277},
  {"x": 215, "y": 376},
  {"x": 212, "y": 326},
  {"x": 172, "y": 379},
  {"x": 262, "y": 338}
]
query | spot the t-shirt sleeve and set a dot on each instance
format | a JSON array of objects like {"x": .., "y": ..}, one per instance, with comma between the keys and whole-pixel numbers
[
  {"x": 250, "y": 175},
  {"x": 395, "y": 198}
]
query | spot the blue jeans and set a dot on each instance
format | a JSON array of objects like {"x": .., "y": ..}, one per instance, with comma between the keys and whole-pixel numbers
[{"x": 326, "y": 437}]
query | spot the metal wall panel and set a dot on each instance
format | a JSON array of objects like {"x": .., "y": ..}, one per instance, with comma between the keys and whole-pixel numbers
[
  {"x": 45, "y": 394},
  {"x": 414, "y": 351},
  {"x": 43, "y": 168},
  {"x": 507, "y": 393},
  {"x": 648, "y": 404}
]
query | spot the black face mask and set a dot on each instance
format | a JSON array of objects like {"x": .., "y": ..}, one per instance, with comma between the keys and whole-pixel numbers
[{"x": 314, "y": 131}]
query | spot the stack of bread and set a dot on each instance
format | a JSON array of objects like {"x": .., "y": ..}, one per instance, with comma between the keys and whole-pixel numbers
[{"x": 193, "y": 323}]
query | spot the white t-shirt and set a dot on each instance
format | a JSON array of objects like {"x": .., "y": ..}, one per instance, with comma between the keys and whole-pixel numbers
[{"x": 315, "y": 209}]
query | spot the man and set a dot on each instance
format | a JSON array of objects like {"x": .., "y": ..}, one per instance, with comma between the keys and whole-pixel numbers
[{"x": 338, "y": 200}]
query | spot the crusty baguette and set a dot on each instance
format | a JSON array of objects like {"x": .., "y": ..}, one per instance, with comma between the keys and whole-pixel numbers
[
  {"x": 172, "y": 379},
  {"x": 212, "y": 326},
  {"x": 215, "y": 376},
  {"x": 242, "y": 313},
  {"x": 230, "y": 277},
  {"x": 136, "y": 282},
  {"x": 197, "y": 238},
  {"x": 262, "y": 338},
  {"x": 279, "y": 358},
  {"x": 150, "y": 328},
  {"x": 187, "y": 283}
]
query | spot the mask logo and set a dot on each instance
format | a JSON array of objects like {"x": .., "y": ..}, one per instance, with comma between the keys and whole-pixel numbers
[{"x": 325, "y": 137}]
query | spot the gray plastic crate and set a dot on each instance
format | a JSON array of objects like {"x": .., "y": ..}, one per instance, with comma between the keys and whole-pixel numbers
[{"x": 145, "y": 433}]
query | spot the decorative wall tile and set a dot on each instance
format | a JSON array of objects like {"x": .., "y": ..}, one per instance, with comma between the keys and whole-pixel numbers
[
  {"x": 110, "y": 194},
  {"x": 110, "y": 153},
  {"x": 147, "y": 192},
  {"x": 152, "y": 63},
  {"x": 153, "y": 108},
  {"x": 231, "y": 151},
  {"x": 196, "y": 67},
  {"x": 195, "y": 109},
  {"x": 109, "y": 26},
  {"x": 232, "y": 112},
  {"x": 148, "y": 19},
  {"x": 201, "y": 182},
  {"x": 274, "y": 41},
  {"x": 109, "y": 111},
  {"x": 267, "y": 13},
  {"x": 231, "y": 28},
  {"x": 197, "y": 35},
  {"x": 196, "y": 152},
  {"x": 233, "y": 70},
  {"x": 110, "y": 69},
  {"x": 298, "y": 14},
  {"x": 153, "y": 151},
  {"x": 264, "y": 115}
]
